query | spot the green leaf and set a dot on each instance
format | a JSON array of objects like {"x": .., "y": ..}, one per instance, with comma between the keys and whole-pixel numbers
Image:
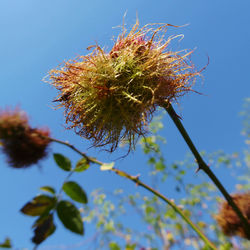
[
  {"x": 70, "y": 217},
  {"x": 160, "y": 166},
  {"x": 82, "y": 165},
  {"x": 130, "y": 247},
  {"x": 226, "y": 246},
  {"x": 62, "y": 161},
  {"x": 182, "y": 172},
  {"x": 114, "y": 246},
  {"x": 107, "y": 166},
  {"x": 44, "y": 227},
  {"x": 75, "y": 192},
  {"x": 39, "y": 205},
  {"x": 6, "y": 243},
  {"x": 48, "y": 189},
  {"x": 109, "y": 226},
  {"x": 150, "y": 210}
]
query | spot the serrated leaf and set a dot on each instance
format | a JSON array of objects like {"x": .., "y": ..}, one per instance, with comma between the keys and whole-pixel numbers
[
  {"x": 44, "y": 227},
  {"x": 82, "y": 165},
  {"x": 6, "y": 243},
  {"x": 62, "y": 162},
  {"x": 107, "y": 166},
  {"x": 75, "y": 192},
  {"x": 39, "y": 205},
  {"x": 70, "y": 217},
  {"x": 48, "y": 189}
]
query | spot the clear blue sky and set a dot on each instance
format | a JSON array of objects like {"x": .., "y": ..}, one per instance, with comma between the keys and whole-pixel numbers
[{"x": 38, "y": 35}]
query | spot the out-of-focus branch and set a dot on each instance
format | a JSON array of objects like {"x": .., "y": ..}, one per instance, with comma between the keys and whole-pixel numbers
[
  {"x": 203, "y": 166},
  {"x": 136, "y": 180}
]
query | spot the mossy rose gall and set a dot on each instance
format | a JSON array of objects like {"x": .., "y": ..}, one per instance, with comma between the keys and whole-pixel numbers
[
  {"x": 228, "y": 220},
  {"x": 111, "y": 96},
  {"x": 22, "y": 144}
]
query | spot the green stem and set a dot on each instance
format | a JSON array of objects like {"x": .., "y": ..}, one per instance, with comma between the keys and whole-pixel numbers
[
  {"x": 138, "y": 182},
  {"x": 203, "y": 166},
  {"x": 90, "y": 159},
  {"x": 170, "y": 203}
]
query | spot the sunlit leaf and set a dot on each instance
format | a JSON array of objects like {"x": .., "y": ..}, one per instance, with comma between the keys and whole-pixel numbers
[
  {"x": 160, "y": 166},
  {"x": 70, "y": 217},
  {"x": 226, "y": 246},
  {"x": 150, "y": 209},
  {"x": 62, "y": 162},
  {"x": 39, "y": 205},
  {"x": 109, "y": 226},
  {"x": 75, "y": 192},
  {"x": 82, "y": 165},
  {"x": 130, "y": 247},
  {"x": 202, "y": 224},
  {"x": 114, "y": 246},
  {"x": 48, "y": 189}
]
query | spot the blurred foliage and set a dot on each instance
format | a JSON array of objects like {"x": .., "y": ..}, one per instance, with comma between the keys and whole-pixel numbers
[
  {"x": 158, "y": 226},
  {"x": 6, "y": 243},
  {"x": 45, "y": 206},
  {"x": 141, "y": 221}
]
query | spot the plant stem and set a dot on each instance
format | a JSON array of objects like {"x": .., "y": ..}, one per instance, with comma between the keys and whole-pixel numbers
[
  {"x": 203, "y": 166},
  {"x": 90, "y": 159},
  {"x": 153, "y": 191},
  {"x": 170, "y": 203}
]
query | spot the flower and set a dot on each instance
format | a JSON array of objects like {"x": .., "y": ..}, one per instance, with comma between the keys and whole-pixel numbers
[
  {"x": 111, "y": 96},
  {"x": 229, "y": 221},
  {"x": 22, "y": 144}
]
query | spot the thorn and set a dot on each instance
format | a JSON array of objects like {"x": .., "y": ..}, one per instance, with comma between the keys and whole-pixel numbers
[
  {"x": 197, "y": 170},
  {"x": 136, "y": 179}
]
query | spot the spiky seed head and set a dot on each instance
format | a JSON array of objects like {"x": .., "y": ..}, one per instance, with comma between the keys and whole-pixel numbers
[
  {"x": 22, "y": 144},
  {"x": 111, "y": 96},
  {"x": 228, "y": 220}
]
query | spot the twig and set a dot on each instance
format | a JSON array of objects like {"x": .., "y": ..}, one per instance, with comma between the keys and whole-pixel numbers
[
  {"x": 203, "y": 166},
  {"x": 139, "y": 183}
]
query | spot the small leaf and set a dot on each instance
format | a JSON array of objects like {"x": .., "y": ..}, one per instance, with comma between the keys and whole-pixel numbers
[
  {"x": 107, "y": 166},
  {"x": 48, "y": 189},
  {"x": 82, "y": 165},
  {"x": 182, "y": 172},
  {"x": 160, "y": 166},
  {"x": 62, "y": 161},
  {"x": 39, "y": 205},
  {"x": 150, "y": 210},
  {"x": 70, "y": 217},
  {"x": 130, "y": 247},
  {"x": 44, "y": 227},
  {"x": 75, "y": 192},
  {"x": 202, "y": 224},
  {"x": 6, "y": 243},
  {"x": 114, "y": 246}
]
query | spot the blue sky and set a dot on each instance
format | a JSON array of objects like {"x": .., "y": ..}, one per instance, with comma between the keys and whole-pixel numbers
[{"x": 36, "y": 36}]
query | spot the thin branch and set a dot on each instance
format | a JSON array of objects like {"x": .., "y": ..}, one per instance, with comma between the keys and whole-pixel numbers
[
  {"x": 203, "y": 166},
  {"x": 90, "y": 159},
  {"x": 153, "y": 191},
  {"x": 170, "y": 203}
]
